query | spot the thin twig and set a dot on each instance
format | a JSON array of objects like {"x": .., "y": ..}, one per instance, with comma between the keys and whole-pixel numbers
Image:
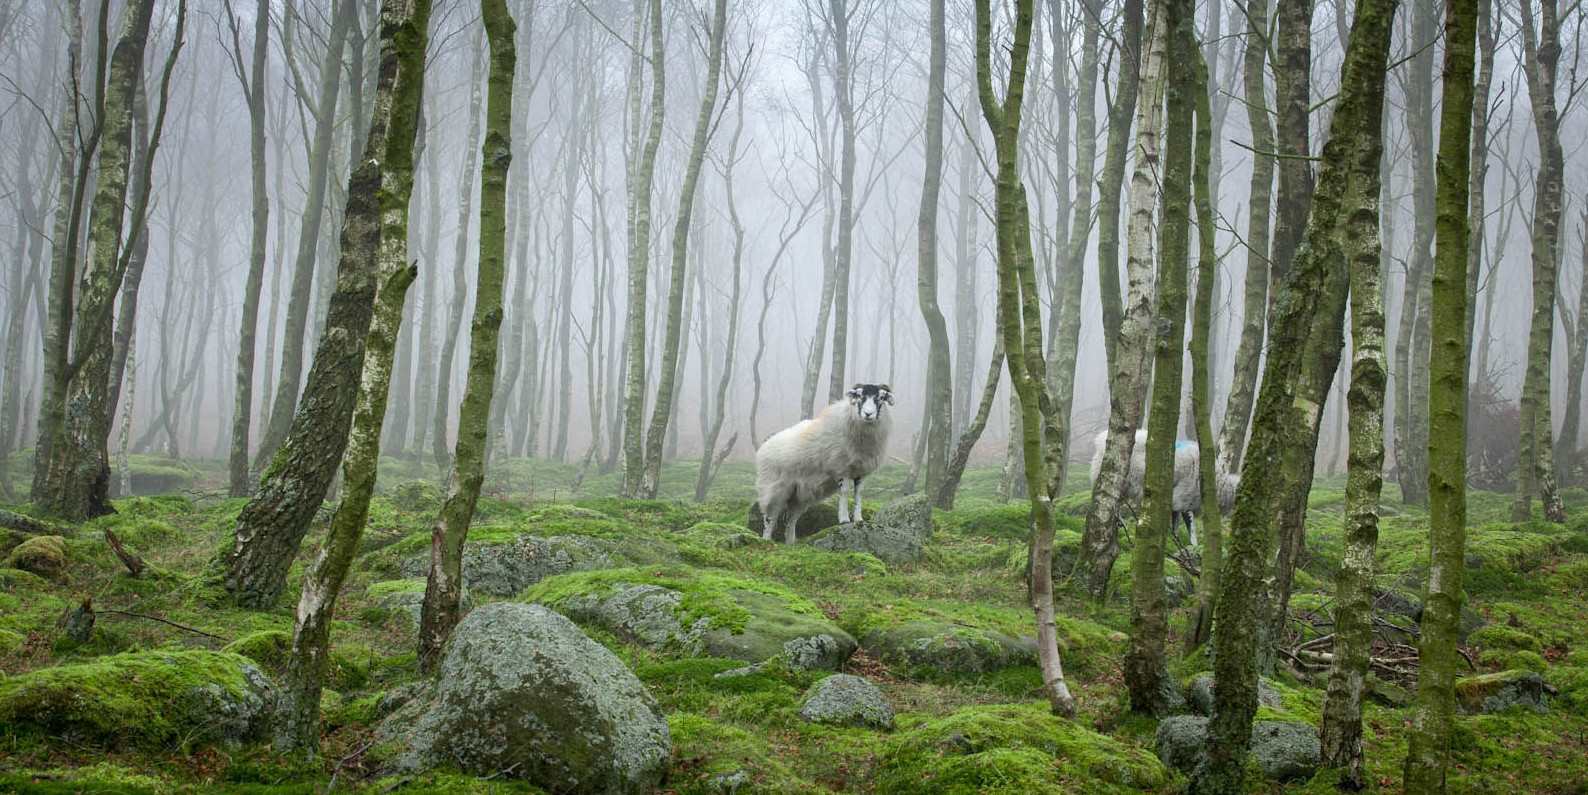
[{"x": 165, "y": 621}]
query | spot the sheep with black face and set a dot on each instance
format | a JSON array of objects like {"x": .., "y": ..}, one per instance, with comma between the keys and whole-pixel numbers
[{"x": 802, "y": 465}]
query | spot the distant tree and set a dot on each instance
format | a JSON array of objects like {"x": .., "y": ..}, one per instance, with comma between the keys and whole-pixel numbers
[
  {"x": 642, "y": 175},
  {"x": 939, "y": 397}
]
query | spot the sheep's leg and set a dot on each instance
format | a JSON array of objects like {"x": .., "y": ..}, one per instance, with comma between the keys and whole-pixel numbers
[
  {"x": 858, "y": 517},
  {"x": 843, "y": 500},
  {"x": 1191, "y": 528},
  {"x": 770, "y": 521},
  {"x": 790, "y": 524}
]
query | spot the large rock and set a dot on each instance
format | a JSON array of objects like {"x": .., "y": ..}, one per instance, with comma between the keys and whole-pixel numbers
[
  {"x": 46, "y": 556},
  {"x": 1282, "y": 750},
  {"x": 1498, "y": 692},
  {"x": 654, "y": 616},
  {"x": 1199, "y": 694},
  {"x": 408, "y": 597},
  {"x": 940, "y": 647},
  {"x": 897, "y": 533},
  {"x": 522, "y": 693},
  {"x": 148, "y": 700},
  {"x": 505, "y": 569},
  {"x": 818, "y": 518},
  {"x": 846, "y": 700}
]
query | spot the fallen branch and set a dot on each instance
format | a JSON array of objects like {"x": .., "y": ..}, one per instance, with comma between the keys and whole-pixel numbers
[
  {"x": 134, "y": 564},
  {"x": 171, "y": 623},
  {"x": 27, "y": 524}
]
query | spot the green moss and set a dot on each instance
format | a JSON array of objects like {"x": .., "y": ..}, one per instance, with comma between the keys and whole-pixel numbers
[
  {"x": 1500, "y": 636},
  {"x": 268, "y": 649},
  {"x": 147, "y": 699},
  {"x": 711, "y": 750},
  {"x": 46, "y": 556},
  {"x": 1011, "y": 748},
  {"x": 156, "y": 506},
  {"x": 389, "y": 587},
  {"x": 706, "y": 594}
]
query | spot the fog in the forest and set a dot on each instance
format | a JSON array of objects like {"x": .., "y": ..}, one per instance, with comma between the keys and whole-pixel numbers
[{"x": 575, "y": 131}]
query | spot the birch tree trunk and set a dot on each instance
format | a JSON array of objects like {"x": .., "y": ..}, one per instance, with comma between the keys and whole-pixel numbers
[
  {"x": 272, "y": 525},
  {"x": 662, "y": 412},
  {"x": 1199, "y": 627},
  {"x": 253, "y": 84},
  {"x": 1129, "y": 368},
  {"x": 1566, "y": 460},
  {"x": 1348, "y": 193},
  {"x": 1112, "y": 185},
  {"x": 844, "y": 99},
  {"x": 403, "y": 38},
  {"x": 1019, "y": 308},
  {"x": 1248, "y": 352},
  {"x": 639, "y": 229},
  {"x": 1535, "y": 464},
  {"x": 1478, "y": 174},
  {"x": 1428, "y": 747},
  {"x": 1152, "y": 691},
  {"x": 710, "y": 458},
  {"x": 1411, "y": 343},
  {"x": 444, "y": 584}
]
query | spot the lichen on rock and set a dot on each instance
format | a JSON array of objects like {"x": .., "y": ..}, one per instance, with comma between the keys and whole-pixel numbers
[{"x": 845, "y": 700}]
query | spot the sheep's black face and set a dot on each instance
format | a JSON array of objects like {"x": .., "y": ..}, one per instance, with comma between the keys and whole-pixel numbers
[{"x": 868, "y": 400}]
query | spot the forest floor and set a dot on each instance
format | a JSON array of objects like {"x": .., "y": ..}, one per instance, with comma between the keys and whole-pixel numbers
[{"x": 1527, "y": 583}]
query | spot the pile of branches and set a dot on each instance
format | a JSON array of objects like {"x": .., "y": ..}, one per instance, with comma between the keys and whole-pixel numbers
[{"x": 1308, "y": 649}]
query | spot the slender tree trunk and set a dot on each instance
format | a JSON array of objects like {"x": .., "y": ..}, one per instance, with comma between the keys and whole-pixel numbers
[
  {"x": 1019, "y": 308},
  {"x": 1248, "y": 352},
  {"x": 1073, "y": 264},
  {"x": 272, "y": 525},
  {"x": 1199, "y": 627},
  {"x": 639, "y": 232},
  {"x": 1428, "y": 748},
  {"x": 573, "y": 153},
  {"x": 314, "y": 211},
  {"x": 1478, "y": 174},
  {"x": 1112, "y": 185},
  {"x": 1151, "y": 689},
  {"x": 939, "y": 397},
  {"x": 1129, "y": 366},
  {"x": 254, "y": 90},
  {"x": 404, "y": 35},
  {"x": 1535, "y": 465},
  {"x": 444, "y": 586},
  {"x": 1566, "y": 458},
  {"x": 430, "y": 300},
  {"x": 449, "y": 348},
  {"x": 965, "y": 295},
  {"x": 844, "y": 99},
  {"x": 1411, "y": 343},
  {"x": 137, "y": 252},
  {"x": 662, "y": 413},
  {"x": 709, "y": 457},
  {"x": 944, "y": 498},
  {"x": 1348, "y": 193}
]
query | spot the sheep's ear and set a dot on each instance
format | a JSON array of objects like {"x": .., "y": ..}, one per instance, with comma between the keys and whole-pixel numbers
[
  {"x": 853, "y": 395},
  {"x": 884, "y": 393}
]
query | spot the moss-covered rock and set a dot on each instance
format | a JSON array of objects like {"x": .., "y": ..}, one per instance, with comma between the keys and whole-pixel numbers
[
  {"x": 407, "y": 597},
  {"x": 1498, "y": 692},
  {"x": 927, "y": 648},
  {"x": 897, "y": 533},
  {"x": 46, "y": 556},
  {"x": 1199, "y": 694},
  {"x": 11, "y": 642},
  {"x": 1013, "y": 749},
  {"x": 701, "y": 614},
  {"x": 523, "y": 692},
  {"x": 505, "y": 567},
  {"x": 719, "y": 535},
  {"x": 148, "y": 700},
  {"x": 1280, "y": 750},
  {"x": 158, "y": 475},
  {"x": 271, "y": 648},
  {"x": 813, "y": 521},
  {"x": 846, "y": 700}
]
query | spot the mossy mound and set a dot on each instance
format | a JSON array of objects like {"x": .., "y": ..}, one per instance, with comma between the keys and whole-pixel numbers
[
  {"x": 720, "y": 535},
  {"x": 1500, "y": 691},
  {"x": 158, "y": 475},
  {"x": 148, "y": 700},
  {"x": 46, "y": 556},
  {"x": 504, "y": 564},
  {"x": 1010, "y": 749},
  {"x": 818, "y": 518},
  {"x": 699, "y": 613},
  {"x": 928, "y": 649}
]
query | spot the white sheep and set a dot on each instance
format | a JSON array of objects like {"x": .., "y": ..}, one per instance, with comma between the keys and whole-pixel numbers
[
  {"x": 1187, "y": 495},
  {"x": 802, "y": 465}
]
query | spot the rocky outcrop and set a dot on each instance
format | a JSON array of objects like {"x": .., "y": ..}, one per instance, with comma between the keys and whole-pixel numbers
[
  {"x": 1498, "y": 692},
  {"x": 1282, "y": 750},
  {"x": 897, "y": 533},
  {"x": 930, "y": 647},
  {"x": 846, "y": 700}
]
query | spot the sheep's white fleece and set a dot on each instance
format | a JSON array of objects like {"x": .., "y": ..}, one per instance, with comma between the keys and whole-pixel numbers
[
  {"x": 804, "y": 464},
  {"x": 1187, "y": 471}
]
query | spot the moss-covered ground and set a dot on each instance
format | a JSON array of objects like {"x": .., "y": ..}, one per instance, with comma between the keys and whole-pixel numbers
[{"x": 984, "y": 732}]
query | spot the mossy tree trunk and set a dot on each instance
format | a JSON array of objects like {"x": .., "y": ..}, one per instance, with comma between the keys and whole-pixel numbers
[
  {"x": 839, "y": 12},
  {"x": 1566, "y": 459},
  {"x": 1428, "y": 748},
  {"x": 1199, "y": 627},
  {"x": 1478, "y": 172},
  {"x": 1535, "y": 470},
  {"x": 1151, "y": 689},
  {"x": 1130, "y": 364},
  {"x": 253, "y": 84},
  {"x": 710, "y": 458},
  {"x": 1248, "y": 352},
  {"x": 939, "y": 372},
  {"x": 272, "y": 525},
  {"x": 442, "y": 408},
  {"x": 642, "y": 177},
  {"x": 1111, "y": 187},
  {"x": 403, "y": 38},
  {"x": 662, "y": 412},
  {"x": 76, "y": 484},
  {"x": 444, "y": 584},
  {"x": 1348, "y": 191},
  {"x": 1020, "y": 315}
]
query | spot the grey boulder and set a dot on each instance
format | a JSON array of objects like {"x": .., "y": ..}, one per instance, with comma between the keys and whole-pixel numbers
[
  {"x": 897, "y": 533},
  {"x": 1199, "y": 694},
  {"x": 847, "y": 700},
  {"x": 523, "y": 693},
  {"x": 930, "y": 647},
  {"x": 506, "y": 569},
  {"x": 1282, "y": 750}
]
